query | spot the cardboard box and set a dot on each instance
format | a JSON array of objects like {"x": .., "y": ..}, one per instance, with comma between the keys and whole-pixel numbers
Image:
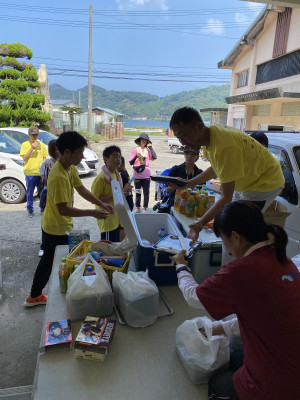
[{"x": 276, "y": 214}]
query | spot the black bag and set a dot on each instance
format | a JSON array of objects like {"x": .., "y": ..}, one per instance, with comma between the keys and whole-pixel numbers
[{"x": 139, "y": 168}]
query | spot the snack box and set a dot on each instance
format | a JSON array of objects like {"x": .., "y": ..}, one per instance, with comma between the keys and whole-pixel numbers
[{"x": 142, "y": 232}]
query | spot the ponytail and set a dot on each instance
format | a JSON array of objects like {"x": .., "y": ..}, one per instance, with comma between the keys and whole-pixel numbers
[{"x": 280, "y": 241}]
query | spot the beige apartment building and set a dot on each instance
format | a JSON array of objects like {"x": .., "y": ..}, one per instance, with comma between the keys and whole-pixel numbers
[{"x": 265, "y": 64}]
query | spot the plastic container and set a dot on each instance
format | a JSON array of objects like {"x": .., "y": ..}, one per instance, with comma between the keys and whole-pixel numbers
[
  {"x": 89, "y": 271},
  {"x": 190, "y": 205},
  {"x": 63, "y": 277},
  {"x": 200, "y": 208},
  {"x": 178, "y": 194},
  {"x": 162, "y": 233},
  {"x": 183, "y": 199}
]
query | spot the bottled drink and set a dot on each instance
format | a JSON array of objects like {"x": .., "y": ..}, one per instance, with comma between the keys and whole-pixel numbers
[
  {"x": 184, "y": 196},
  {"x": 201, "y": 201},
  {"x": 190, "y": 205},
  {"x": 210, "y": 201},
  {"x": 178, "y": 194},
  {"x": 162, "y": 233},
  {"x": 62, "y": 278}
]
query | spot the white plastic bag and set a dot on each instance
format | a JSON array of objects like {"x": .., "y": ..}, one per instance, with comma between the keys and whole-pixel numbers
[
  {"x": 201, "y": 356},
  {"x": 89, "y": 295},
  {"x": 137, "y": 297}
]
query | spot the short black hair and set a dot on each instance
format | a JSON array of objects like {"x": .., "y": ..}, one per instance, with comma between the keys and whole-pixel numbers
[
  {"x": 70, "y": 140},
  {"x": 261, "y": 138},
  {"x": 185, "y": 115},
  {"x": 111, "y": 149}
]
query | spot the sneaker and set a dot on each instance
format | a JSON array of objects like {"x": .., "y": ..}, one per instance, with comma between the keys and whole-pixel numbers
[
  {"x": 35, "y": 301},
  {"x": 145, "y": 209},
  {"x": 41, "y": 253},
  {"x": 42, "y": 211},
  {"x": 138, "y": 209},
  {"x": 30, "y": 213}
]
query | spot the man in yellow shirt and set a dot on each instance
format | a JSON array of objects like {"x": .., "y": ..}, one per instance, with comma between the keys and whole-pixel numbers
[
  {"x": 57, "y": 217},
  {"x": 240, "y": 162},
  {"x": 33, "y": 153}
]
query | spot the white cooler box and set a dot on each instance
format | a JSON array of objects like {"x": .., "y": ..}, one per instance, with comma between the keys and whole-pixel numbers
[
  {"x": 139, "y": 227},
  {"x": 208, "y": 258}
]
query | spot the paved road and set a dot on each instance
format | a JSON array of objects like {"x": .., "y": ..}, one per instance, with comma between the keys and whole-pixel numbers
[{"x": 20, "y": 238}]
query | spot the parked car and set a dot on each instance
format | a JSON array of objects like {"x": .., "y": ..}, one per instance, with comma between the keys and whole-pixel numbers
[
  {"x": 175, "y": 145},
  {"x": 88, "y": 164},
  {"x": 12, "y": 179}
]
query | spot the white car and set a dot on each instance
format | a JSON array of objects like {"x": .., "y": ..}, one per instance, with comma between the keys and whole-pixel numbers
[
  {"x": 88, "y": 164},
  {"x": 12, "y": 179}
]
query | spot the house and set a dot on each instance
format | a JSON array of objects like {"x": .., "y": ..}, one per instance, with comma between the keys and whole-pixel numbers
[
  {"x": 217, "y": 115},
  {"x": 265, "y": 64},
  {"x": 105, "y": 115},
  {"x": 58, "y": 104}
]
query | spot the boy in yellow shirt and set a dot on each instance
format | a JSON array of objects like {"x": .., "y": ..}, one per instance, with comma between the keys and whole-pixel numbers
[
  {"x": 101, "y": 188},
  {"x": 33, "y": 153},
  {"x": 57, "y": 217}
]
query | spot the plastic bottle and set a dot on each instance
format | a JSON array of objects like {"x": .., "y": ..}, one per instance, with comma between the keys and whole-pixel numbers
[
  {"x": 162, "y": 233},
  {"x": 210, "y": 200},
  {"x": 95, "y": 255},
  {"x": 200, "y": 209},
  {"x": 178, "y": 194},
  {"x": 62, "y": 278},
  {"x": 190, "y": 205},
  {"x": 89, "y": 271},
  {"x": 184, "y": 196}
]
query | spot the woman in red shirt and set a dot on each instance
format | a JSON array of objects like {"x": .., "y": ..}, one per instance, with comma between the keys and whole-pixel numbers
[{"x": 262, "y": 287}]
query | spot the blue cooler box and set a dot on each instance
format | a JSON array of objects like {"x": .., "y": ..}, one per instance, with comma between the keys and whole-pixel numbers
[{"x": 142, "y": 232}]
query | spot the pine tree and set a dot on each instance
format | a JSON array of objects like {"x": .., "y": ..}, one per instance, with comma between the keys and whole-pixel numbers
[{"x": 19, "y": 104}]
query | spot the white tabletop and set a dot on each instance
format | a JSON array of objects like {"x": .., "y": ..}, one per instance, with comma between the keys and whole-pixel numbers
[{"x": 142, "y": 363}]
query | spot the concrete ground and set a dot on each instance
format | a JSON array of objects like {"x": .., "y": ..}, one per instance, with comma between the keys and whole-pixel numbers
[{"x": 20, "y": 239}]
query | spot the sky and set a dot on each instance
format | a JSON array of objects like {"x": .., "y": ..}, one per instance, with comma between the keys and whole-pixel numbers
[{"x": 161, "y": 47}]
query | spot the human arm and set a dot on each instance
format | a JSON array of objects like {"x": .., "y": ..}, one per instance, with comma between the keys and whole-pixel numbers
[
  {"x": 227, "y": 190},
  {"x": 27, "y": 155},
  {"x": 228, "y": 328},
  {"x": 68, "y": 211},
  {"x": 87, "y": 195},
  {"x": 205, "y": 176},
  {"x": 133, "y": 156},
  {"x": 186, "y": 282},
  {"x": 153, "y": 155}
]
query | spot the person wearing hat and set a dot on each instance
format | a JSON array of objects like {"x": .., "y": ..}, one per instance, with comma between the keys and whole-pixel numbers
[
  {"x": 187, "y": 170},
  {"x": 139, "y": 158}
]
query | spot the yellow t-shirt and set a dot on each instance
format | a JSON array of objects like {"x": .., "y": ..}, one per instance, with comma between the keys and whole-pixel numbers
[
  {"x": 101, "y": 188},
  {"x": 60, "y": 186},
  {"x": 236, "y": 156},
  {"x": 32, "y": 165}
]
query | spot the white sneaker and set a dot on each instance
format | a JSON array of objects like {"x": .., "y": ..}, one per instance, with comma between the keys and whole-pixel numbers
[{"x": 41, "y": 253}]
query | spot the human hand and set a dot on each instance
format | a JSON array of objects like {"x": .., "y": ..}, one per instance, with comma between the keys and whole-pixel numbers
[
  {"x": 34, "y": 145},
  {"x": 108, "y": 208},
  {"x": 99, "y": 214},
  {"x": 195, "y": 229},
  {"x": 2, "y": 167},
  {"x": 179, "y": 258},
  {"x": 127, "y": 189}
]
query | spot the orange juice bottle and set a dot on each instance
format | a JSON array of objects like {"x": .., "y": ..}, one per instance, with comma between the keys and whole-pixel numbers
[
  {"x": 178, "y": 194},
  {"x": 190, "y": 205},
  {"x": 184, "y": 196},
  {"x": 210, "y": 200},
  {"x": 200, "y": 210}
]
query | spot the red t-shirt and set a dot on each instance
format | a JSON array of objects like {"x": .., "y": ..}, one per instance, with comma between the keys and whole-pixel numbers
[{"x": 265, "y": 295}]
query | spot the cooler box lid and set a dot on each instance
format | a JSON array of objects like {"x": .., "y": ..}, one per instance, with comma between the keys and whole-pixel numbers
[{"x": 128, "y": 220}]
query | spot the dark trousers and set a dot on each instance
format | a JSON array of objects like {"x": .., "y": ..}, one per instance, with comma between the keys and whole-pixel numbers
[
  {"x": 44, "y": 268},
  {"x": 145, "y": 184},
  {"x": 112, "y": 236},
  {"x": 32, "y": 182},
  {"x": 220, "y": 385}
]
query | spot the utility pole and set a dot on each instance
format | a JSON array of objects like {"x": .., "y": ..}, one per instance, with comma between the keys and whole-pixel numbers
[
  {"x": 79, "y": 98},
  {"x": 89, "y": 126}
]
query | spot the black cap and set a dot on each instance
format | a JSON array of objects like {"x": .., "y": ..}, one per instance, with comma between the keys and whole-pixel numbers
[{"x": 142, "y": 136}]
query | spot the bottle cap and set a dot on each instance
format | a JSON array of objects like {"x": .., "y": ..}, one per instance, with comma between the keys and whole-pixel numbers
[{"x": 162, "y": 228}]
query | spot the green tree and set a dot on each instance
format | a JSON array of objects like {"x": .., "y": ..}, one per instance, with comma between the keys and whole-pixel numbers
[
  {"x": 19, "y": 104},
  {"x": 72, "y": 111}
]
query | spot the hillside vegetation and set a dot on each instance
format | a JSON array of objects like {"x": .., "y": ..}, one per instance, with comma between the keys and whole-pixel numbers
[{"x": 139, "y": 104}]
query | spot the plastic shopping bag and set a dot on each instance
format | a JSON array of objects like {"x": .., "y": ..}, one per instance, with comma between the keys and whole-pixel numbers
[
  {"x": 89, "y": 295},
  {"x": 137, "y": 297},
  {"x": 201, "y": 356}
]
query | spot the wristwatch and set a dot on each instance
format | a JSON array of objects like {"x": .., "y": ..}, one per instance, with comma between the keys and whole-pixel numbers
[
  {"x": 199, "y": 224},
  {"x": 185, "y": 268}
]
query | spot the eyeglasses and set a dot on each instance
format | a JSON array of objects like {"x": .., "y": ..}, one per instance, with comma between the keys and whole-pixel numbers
[{"x": 34, "y": 134}]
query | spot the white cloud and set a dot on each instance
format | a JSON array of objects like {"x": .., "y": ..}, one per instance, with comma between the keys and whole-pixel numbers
[
  {"x": 214, "y": 26},
  {"x": 241, "y": 17},
  {"x": 134, "y": 4}
]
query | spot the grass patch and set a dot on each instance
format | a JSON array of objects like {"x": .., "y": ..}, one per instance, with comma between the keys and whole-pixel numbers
[{"x": 137, "y": 133}]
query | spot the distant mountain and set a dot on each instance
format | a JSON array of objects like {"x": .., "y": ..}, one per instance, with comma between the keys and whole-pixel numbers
[{"x": 139, "y": 104}]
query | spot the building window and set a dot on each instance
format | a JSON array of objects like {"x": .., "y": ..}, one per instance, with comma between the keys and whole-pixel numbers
[
  {"x": 282, "y": 32},
  {"x": 291, "y": 108},
  {"x": 243, "y": 79},
  {"x": 239, "y": 123},
  {"x": 261, "y": 110}
]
